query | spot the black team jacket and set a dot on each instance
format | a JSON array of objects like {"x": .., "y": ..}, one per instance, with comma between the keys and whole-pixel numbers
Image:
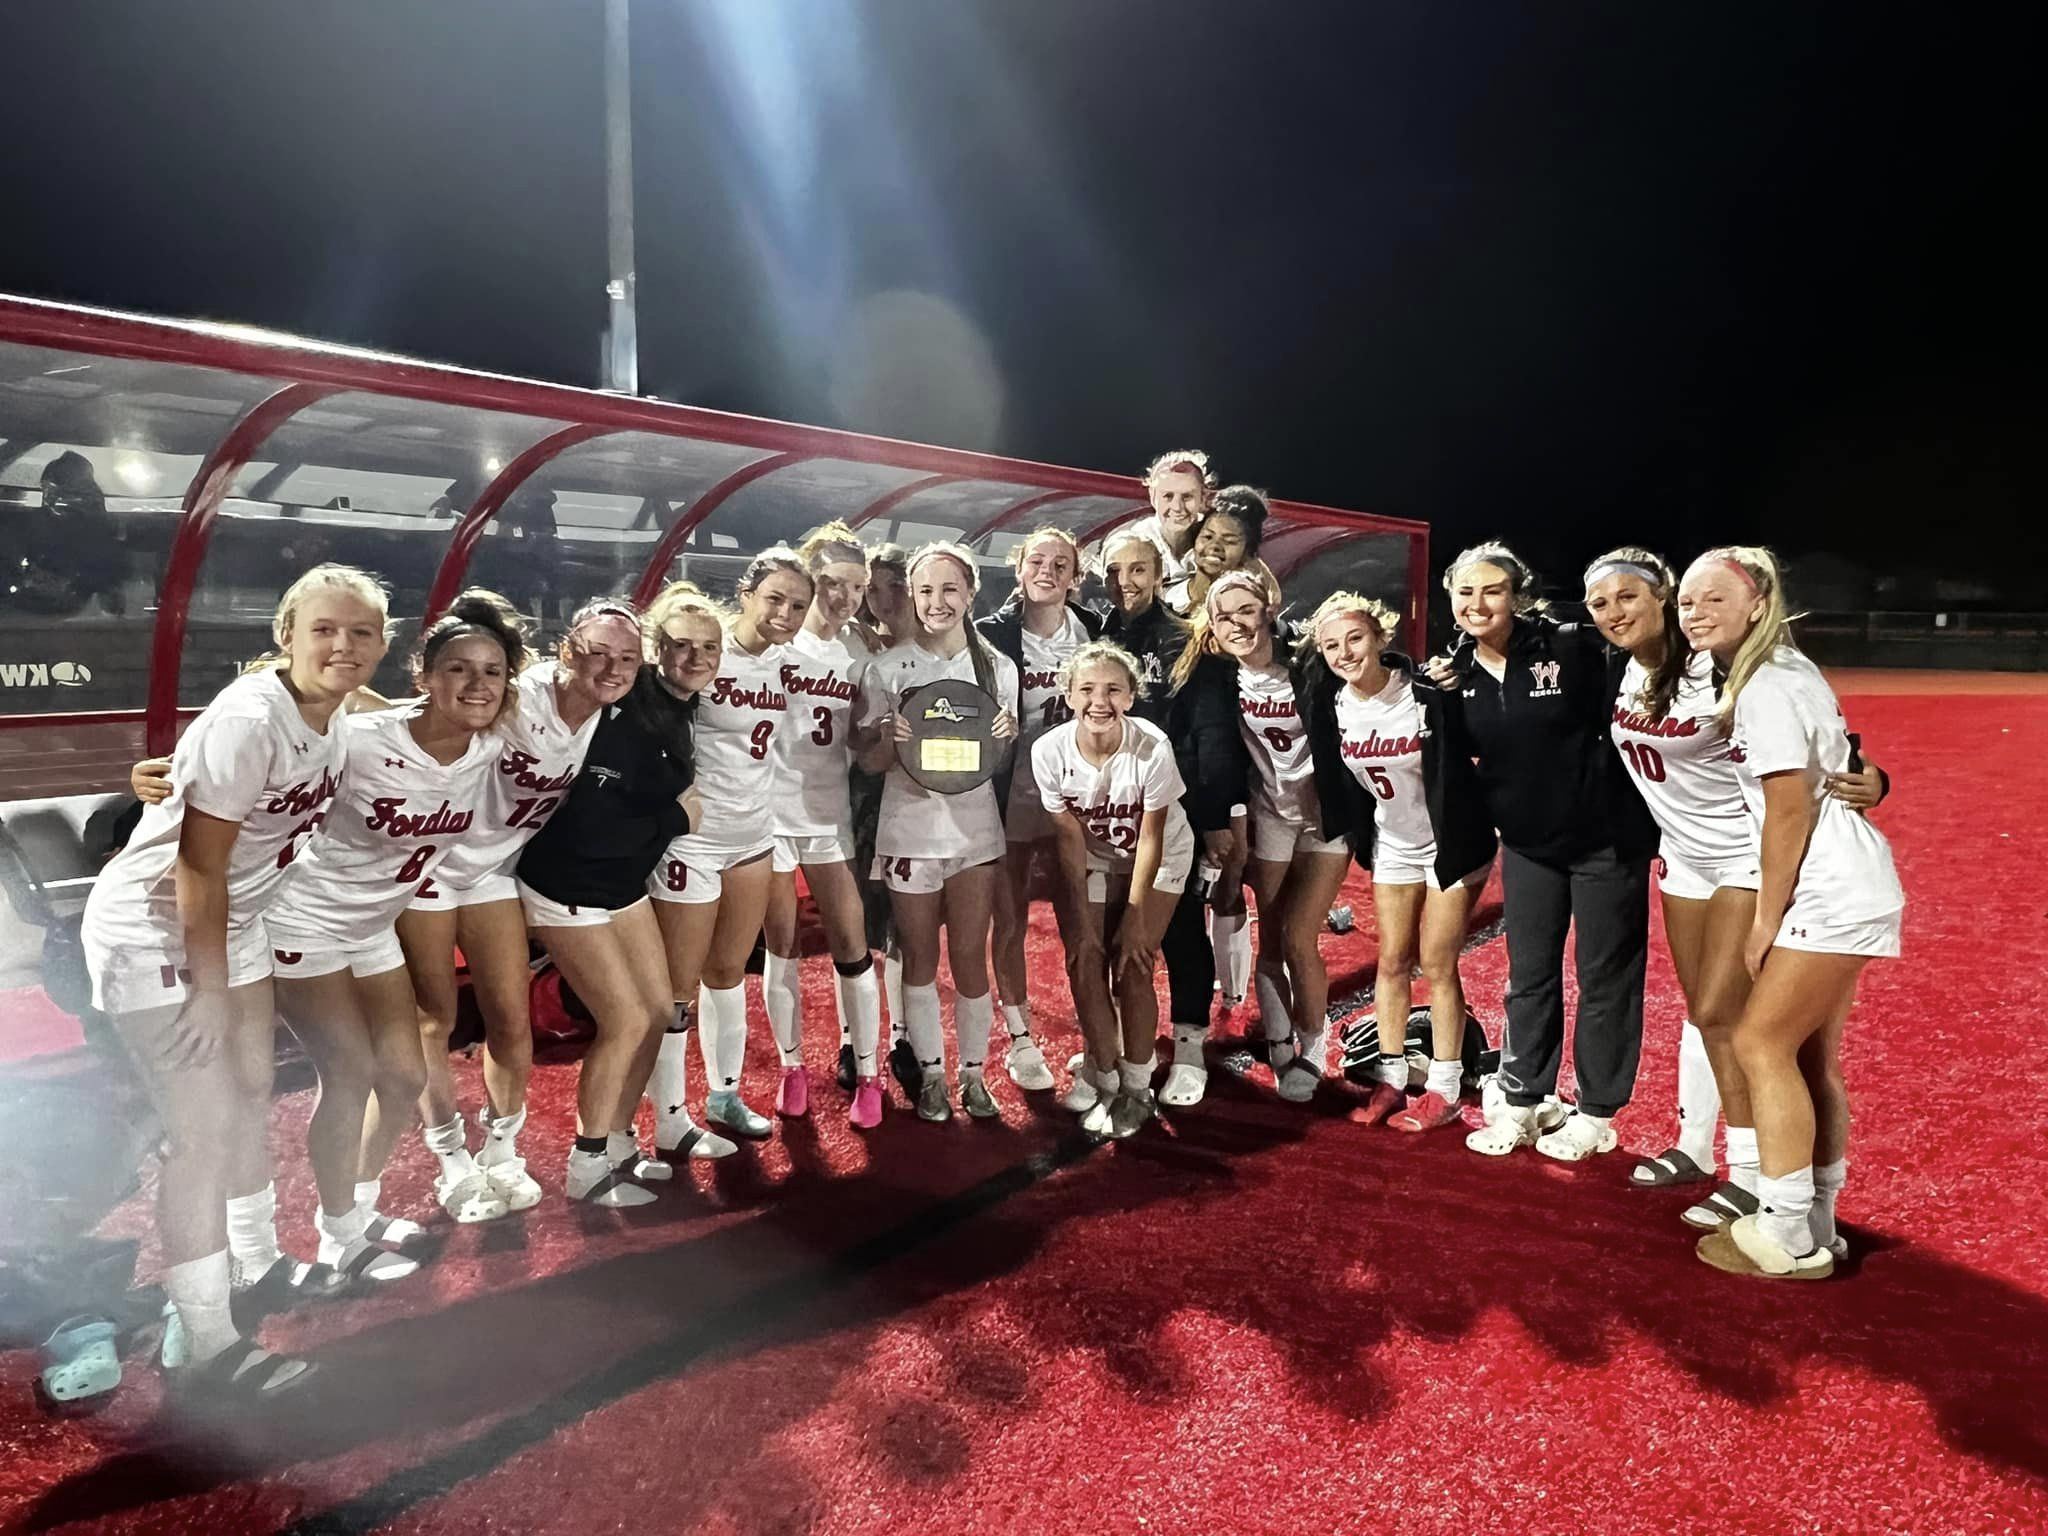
[
  {"x": 1156, "y": 638},
  {"x": 620, "y": 815},
  {"x": 1004, "y": 632},
  {"x": 1457, "y": 809},
  {"x": 1552, "y": 781}
]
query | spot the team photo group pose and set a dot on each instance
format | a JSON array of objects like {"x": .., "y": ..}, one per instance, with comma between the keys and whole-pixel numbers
[{"x": 651, "y": 803}]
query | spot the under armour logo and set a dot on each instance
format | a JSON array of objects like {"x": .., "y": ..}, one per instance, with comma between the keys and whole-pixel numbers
[
  {"x": 1544, "y": 673},
  {"x": 394, "y": 762},
  {"x": 299, "y": 747},
  {"x": 1797, "y": 933}
]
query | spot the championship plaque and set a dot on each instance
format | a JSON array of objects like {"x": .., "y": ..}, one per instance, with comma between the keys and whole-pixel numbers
[{"x": 952, "y": 746}]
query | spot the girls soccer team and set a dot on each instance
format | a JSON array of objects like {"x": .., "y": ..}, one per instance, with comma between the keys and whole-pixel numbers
[{"x": 639, "y": 805}]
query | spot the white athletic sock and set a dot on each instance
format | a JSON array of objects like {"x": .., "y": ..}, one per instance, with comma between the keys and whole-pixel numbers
[
  {"x": 1391, "y": 1070},
  {"x": 622, "y": 1147},
  {"x": 1231, "y": 935},
  {"x": 1699, "y": 1097},
  {"x": 1828, "y": 1179},
  {"x": 782, "y": 995},
  {"x": 1135, "y": 1076},
  {"x": 252, "y": 1232},
  {"x": 669, "y": 1086},
  {"x": 1315, "y": 1049},
  {"x": 922, "y": 1027},
  {"x": 722, "y": 1034},
  {"x": 1742, "y": 1158},
  {"x": 1272, "y": 1012},
  {"x": 1785, "y": 1211},
  {"x": 337, "y": 1232},
  {"x": 860, "y": 1006},
  {"x": 846, "y": 1024},
  {"x": 1446, "y": 1079},
  {"x": 892, "y": 989},
  {"x": 368, "y": 1193},
  {"x": 449, "y": 1143},
  {"x": 1187, "y": 1044},
  {"x": 199, "y": 1290},
  {"x": 1016, "y": 1019},
  {"x": 501, "y": 1137},
  {"x": 973, "y": 1018}
]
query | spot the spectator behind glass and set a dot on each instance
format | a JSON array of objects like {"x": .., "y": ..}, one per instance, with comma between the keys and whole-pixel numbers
[{"x": 70, "y": 553}]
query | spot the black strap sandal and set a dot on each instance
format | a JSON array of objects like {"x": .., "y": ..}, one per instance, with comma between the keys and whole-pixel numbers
[
  {"x": 1667, "y": 1169},
  {"x": 244, "y": 1373}
]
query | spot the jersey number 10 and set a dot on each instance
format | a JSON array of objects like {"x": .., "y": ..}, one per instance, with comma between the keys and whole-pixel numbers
[{"x": 1647, "y": 761}]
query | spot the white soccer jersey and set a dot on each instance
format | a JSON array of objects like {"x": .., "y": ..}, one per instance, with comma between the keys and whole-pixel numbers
[
  {"x": 1788, "y": 721},
  {"x": 1279, "y": 743},
  {"x": 915, "y": 823},
  {"x": 538, "y": 762},
  {"x": 1110, "y": 799},
  {"x": 1683, "y": 767},
  {"x": 251, "y": 758},
  {"x": 1042, "y": 704},
  {"x": 738, "y": 717},
  {"x": 399, "y": 814},
  {"x": 811, "y": 746},
  {"x": 1381, "y": 739}
]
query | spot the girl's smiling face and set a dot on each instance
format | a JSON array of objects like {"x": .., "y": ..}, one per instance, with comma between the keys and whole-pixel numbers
[
  {"x": 1100, "y": 694},
  {"x": 1350, "y": 644},
  {"x": 1626, "y": 609},
  {"x": 942, "y": 594},
  {"x": 1717, "y": 608},
  {"x": 688, "y": 651},
  {"x": 465, "y": 684},
  {"x": 335, "y": 643},
  {"x": 1483, "y": 602}
]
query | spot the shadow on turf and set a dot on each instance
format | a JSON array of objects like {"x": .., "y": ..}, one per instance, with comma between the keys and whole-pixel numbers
[{"x": 837, "y": 1257}]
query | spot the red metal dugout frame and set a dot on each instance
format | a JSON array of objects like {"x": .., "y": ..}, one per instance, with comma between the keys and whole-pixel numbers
[{"x": 309, "y": 371}]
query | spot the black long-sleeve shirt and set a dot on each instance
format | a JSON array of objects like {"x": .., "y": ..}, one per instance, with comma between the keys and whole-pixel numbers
[
  {"x": 606, "y": 838},
  {"x": 1546, "y": 766}
]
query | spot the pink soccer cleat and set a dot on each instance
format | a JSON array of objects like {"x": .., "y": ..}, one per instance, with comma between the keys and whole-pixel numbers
[
  {"x": 1426, "y": 1114},
  {"x": 793, "y": 1098},
  {"x": 866, "y": 1113}
]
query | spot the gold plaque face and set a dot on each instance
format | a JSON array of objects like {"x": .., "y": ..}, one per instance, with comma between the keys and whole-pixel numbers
[{"x": 949, "y": 754}]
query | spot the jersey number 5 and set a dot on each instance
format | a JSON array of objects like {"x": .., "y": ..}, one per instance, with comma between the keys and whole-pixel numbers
[{"x": 1381, "y": 784}]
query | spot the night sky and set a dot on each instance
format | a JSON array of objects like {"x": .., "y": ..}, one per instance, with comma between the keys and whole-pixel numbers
[{"x": 1568, "y": 273}]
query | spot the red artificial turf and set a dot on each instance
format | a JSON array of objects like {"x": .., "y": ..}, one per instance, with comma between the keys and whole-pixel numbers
[{"x": 1256, "y": 1318}]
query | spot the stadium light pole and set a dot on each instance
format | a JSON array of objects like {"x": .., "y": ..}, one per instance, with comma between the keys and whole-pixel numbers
[{"x": 622, "y": 329}]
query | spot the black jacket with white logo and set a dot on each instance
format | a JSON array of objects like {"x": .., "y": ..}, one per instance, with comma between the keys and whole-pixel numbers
[
  {"x": 607, "y": 837},
  {"x": 1550, "y": 775}
]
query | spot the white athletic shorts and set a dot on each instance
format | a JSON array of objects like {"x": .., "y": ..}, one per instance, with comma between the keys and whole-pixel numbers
[
  {"x": 367, "y": 957},
  {"x": 134, "y": 980},
  {"x": 1877, "y": 937},
  {"x": 921, "y": 877},
  {"x": 1394, "y": 866},
  {"x": 835, "y": 848},
  {"x": 432, "y": 896},
  {"x": 545, "y": 912},
  {"x": 1277, "y": 838},
  {"x": 695, "y": 875},
  {"x": 1691, "y": 882}
]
